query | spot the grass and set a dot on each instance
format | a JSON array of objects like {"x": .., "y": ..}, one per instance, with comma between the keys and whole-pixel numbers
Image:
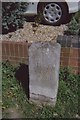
[{"x": 14, "y": 96}]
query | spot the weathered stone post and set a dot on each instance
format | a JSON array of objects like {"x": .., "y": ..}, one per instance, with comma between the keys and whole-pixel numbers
[{"x": 44, "y": 62}]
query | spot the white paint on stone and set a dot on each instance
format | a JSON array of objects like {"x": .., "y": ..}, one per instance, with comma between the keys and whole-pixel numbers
[{"x": 44, "y": 62}]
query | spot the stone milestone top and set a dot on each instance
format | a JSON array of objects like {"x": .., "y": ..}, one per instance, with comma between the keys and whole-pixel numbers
[{"x": 45, "y": 44}]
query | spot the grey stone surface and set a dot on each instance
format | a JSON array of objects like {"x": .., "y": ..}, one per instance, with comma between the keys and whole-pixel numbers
[{"x": 44, "y": 62}]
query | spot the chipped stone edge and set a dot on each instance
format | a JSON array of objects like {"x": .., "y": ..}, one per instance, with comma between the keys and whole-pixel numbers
[{"x": 42, "y": 100}]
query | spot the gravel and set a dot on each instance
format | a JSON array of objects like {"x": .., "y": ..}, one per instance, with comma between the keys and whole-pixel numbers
[{"x": 32, "y": 33}]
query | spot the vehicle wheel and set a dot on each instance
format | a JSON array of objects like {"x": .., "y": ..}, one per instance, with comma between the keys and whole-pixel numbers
[
  {"x": 68, "y": 19},
  {"x": 53, "y": 13}
]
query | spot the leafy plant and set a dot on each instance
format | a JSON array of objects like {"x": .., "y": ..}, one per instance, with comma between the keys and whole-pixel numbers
[
  {"x": 11, "y": 16},
  {"x": 74, "y": 25}
]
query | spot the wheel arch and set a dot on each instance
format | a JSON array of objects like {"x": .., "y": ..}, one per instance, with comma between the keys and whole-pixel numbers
[{"x": 64, "y": 2}]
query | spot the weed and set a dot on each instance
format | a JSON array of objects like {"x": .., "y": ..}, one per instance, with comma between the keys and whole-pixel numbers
[{"x": 67, "y": 99}]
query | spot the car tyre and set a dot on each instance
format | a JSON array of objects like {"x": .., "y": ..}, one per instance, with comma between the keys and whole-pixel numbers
[{"x": 53, "y": 13}]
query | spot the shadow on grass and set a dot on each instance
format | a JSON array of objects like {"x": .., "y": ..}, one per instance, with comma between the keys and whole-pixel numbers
[{"x": 22, "y": 75}]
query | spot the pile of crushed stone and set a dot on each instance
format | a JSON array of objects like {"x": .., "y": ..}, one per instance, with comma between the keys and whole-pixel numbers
[{"x": 31, "y": 33}]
